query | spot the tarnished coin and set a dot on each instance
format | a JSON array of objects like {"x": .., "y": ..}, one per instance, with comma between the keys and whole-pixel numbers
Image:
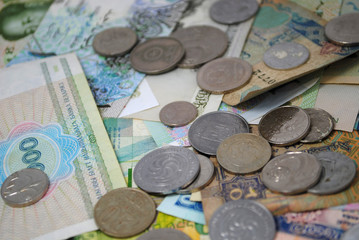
[
  {"x": 24, "y": 187},
  {"x": 343, "y": 30},
  {"x": 233, "y": 11},
  {"x": 321, "y": 125},
  {"x": 242, "y": 219},
  {"x": 201, "y": 43},
  {"x": 291, "y": 173},
  {"x": 243, "y": 153},
  {"x": 114, "y": 42},
  {"x": 166, "y": 170},
  {"x": 284, "y": 125},
  {"x": 178, "y": 114},
  {"x": 209, "y": 130},
  {"x": 337, "y": 174},
  {"x": 352, "y": 233},
  {"x": 286, "y": 55},
  {"x": 164, "y": 234},
  {"x": 224, "y": 75},
  {"x": 124, "y": 212},
  {"x": 157, "y": 55}
]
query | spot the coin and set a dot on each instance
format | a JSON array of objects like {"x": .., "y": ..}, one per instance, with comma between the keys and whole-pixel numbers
[
  {"x": 157, "y": 55},
  {"x": 114, "y": 42},
  {"x": 224, "y": 75},
  {"x": 24, "y": 187},
  {"x": 352, "y": 233},
  {"x": 209, "y": 130},
  {"x": 124, "y": 212},
  {"x": 343, "y": 30},
  {"x": 166, "y": 170},
  {"x": 291, "y": 173},
  {"x": 178, "y": 114},
  {"x": 164, "y": 234},
  {"x": 286, "y": 55},
  {"x": 233, "y": 11},
  {"x": 242, "y": 219},
  {"x": 201, "y": 43},
  {"x": 338, "y": 173},
  {"x": 284, "y": 125}
]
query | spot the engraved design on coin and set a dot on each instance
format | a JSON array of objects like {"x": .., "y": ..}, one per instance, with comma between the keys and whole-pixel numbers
[
  {"x": 343, "y": 30},
  {"x": 352, "y": 233},
  {"x": 164, "y": 234},
  {"x": 233, "y": 11},
  {"x": 321, "y": 125},
  {"x": 178, "y": 114}
]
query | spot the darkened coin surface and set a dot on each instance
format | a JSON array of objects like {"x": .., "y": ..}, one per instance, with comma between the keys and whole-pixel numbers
[
  {"x": 243, "y": 153},
  {"x": 224, "y": 75},
  {"x": 245, "y": 218},
  {"x": 209, "y": 130},
  {"x": 124, "y": 212},
  {"x": 166, "y": 170},
  {"x": 114, "y": 42},
  {"x": 291, "y": 173},
  {"x": 321, "y": 125},
  {"x": 233, "y": 11},
  {"x": 201, "y": 43},
  {"x": 343, "y": 30},
  {"x": 284, "y": 125},
  {"x": 157, "y": 55},
  {"x": 24, "y": 187},
  {"x": 337, "y": 174},
  {"x": 164, "y": 234},
  {"x": 352, "y": 233},
  {"x": 178, "y": 114}
]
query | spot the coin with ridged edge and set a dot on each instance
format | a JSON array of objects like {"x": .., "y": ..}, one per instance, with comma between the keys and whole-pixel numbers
[
  {"x": 343, "y": 30},
  {"x": 176, "y": 114},
  {"x": 164, "y": 234},
  {"x": 321, "y": 125}
]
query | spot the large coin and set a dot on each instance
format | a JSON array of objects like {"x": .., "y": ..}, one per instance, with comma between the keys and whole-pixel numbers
[
  {"x": 242, "y": 219},
  {"x": 224, "y": 75},
  {"x": 291, "y": 173},
  {"x": 166, "y": 170},
  {"x": 178, "y": 114},
  {"x": 233, "y": 11},
  {"x": 164, "y": 234},
  {"x": 114, "y": 42},
  {"x": 157, "y": 55},
  {"x": 209, "y": 130},
  {"x": 338, "y": 173},
  {"x": 352, "y": 233},
  {"x": 343, "y": 30},
  {"x": 321, "y": 125},
  {"x": 284, "y": 125},
  {"x": 24, "y": 187},
  {"x": 201, "y": 43},
  {"x": 124, "y": 212}
]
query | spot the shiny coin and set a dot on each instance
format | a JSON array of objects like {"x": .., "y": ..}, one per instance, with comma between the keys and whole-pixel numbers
[
  {"x": 286, "y": 55},
  {"x": 114, "y": 42},
  {"x": 338, "y": 173},
  {"x": 343, "y": 30},
  {"x": 352, "y": 233},
  {"x": 166, "y": 170},
  {"x": 209, "y": 130},
  {"x": 291, "y": 173},
  {"x": 24, "y": 187},
  {"x": 164, "y": 234},
  {"x": 224, "y": 75},
  {"x": 242, "y": 219},
  {"x": 233, "y": 11},
  {"x": 201, "y": 43},
  {"x": 157, "y": 55},
  {"x": 284, "y": 125},
  {"x": 243, "y": 153},
  {"x": 321, "y": 125},
  {"x": 178, "y": 114}
]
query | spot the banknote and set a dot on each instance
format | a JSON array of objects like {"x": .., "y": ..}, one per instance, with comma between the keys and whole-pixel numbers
[{"x": 325, "y": 9}]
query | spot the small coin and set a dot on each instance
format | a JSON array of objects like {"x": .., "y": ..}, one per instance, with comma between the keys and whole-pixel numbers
[
  {"x": 24, "y": 187},
  {"x": 245, "y": 218},
  {"x": 352, "y": 233},
  {"x": 284, "y": 126},
  {"x": 233, "y": 11},
  {"x": 124, "y": 212},
  {"x": 166, "y": 170},
  {"x": 178, "y": 114},
  {"x": 321, "y": 125},
  {"x": 201, "y": 43},
  {"x": 286, "y": 55},
  {"x": 209, "y": 130},
  {"x": 224, "y": 75},
  {"x": 164, "y": 234},
  {"x": 343, "y": 30},
  {"x": 157, "y": 55},
  {"x": 243, "y": 153},
  {"x": 114, "y": 42}
]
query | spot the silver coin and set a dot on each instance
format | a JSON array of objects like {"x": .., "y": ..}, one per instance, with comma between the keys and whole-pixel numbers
[
  {"x": 321, "y": 125},
  {"x": 343, "y": 30},
  {"x": 24, "y": 187},
  {"x": 209, "y": 130},
  {"x": 351, "y": 234},
  {"x": 291, "y": 173},
  {"x": 166, "y": 170},
  {"x": 164, "y": 234},
  {"x": 242, "y": 219},
  {"x": 286, "y": 55},
  {"x": 179, "y": 113},
  {"x": 337, "y": 174}
]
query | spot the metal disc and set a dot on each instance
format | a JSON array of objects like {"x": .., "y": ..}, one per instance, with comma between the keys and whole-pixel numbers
[
  {"x": 343, "y": 30},
  {"x": 352, "y": 233},
  {"x": 178, "y": 114},
  {"x": 164, "y": 234}
]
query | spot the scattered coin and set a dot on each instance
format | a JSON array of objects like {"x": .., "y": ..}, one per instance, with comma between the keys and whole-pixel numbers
[
  {"x": 321, "y": 125},
  {"x": 178, "y": 114},
  {"x": 164, "y": 234},
  {"x": 352, "y": 233},
  {"x": 124, "y": 212},
  {"x": 343, "y": 30},
  {"x": 24, "y": 187}
]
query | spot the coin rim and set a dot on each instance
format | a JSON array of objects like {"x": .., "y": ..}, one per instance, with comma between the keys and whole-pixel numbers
[
  {"x": 340, "y": 43},
  {"x": 193, "y": 117}
]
